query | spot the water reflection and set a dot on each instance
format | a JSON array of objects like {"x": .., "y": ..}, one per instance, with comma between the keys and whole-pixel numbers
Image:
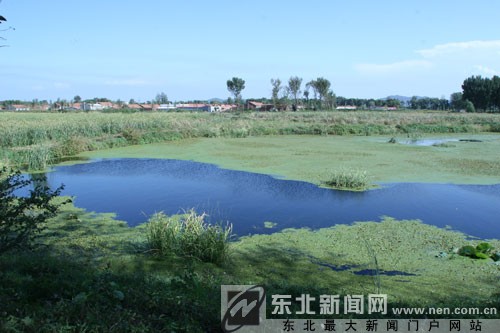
[{"x": 136, "y": 188}]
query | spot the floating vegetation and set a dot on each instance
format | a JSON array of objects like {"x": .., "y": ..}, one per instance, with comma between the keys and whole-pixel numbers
[{"x": 270, "y": 225}]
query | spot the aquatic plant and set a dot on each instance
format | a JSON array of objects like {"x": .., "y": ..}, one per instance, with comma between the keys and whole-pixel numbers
[
  {"x": 481, "y": 251},
  {"x": 188, "y": 236},
  {"x": 351, "y": 179}
]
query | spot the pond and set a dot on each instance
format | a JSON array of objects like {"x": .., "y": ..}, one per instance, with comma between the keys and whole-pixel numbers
[{"x": 136, "y": 188}]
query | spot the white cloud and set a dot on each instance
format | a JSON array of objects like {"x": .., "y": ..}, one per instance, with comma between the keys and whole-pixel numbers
[
  {"x": 487, "y": 70},
  {"x": 396, "y": 67},
  {"x": 454, "y": 48},
  {"x": 444, "y": 59}
]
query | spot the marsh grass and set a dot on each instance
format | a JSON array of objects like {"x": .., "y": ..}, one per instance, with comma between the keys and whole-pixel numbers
[
  {"x": 348, "y": 179},
  {"x": 34, "y": 157},
  {"x": 72, "y": 133},
  {"x": 188, "y": 236}
]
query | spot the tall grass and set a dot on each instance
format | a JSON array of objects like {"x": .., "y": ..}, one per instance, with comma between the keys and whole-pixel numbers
[
  {"x": 348, "y": 179},
  {"x": 70, "y": 133},
  {"x": 188, "y": 236}
]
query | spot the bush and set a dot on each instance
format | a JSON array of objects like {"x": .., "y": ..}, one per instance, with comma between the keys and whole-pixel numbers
[
  {"x": 481, "y": 251},
  {"x": 188, "y": 236},
  {"x": 22, "y": 217},
  {"x": 469, "y": 107},
  {"x": 348, "y": 179}
]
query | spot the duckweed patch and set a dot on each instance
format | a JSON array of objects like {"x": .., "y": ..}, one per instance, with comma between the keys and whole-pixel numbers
[
  {"x": 467, "y": 163},
  {"x": 337, "y": 259},
  {"x": 270, "y": 225}
]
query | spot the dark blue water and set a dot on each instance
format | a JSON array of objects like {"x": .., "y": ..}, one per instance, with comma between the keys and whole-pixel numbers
[{"x": 137, "y": 188}]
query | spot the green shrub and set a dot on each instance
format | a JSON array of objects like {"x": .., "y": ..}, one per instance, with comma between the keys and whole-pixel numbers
[
  {"x": 481, "y": 251},
  {"x": 188, "y": 236},
  {"x": 22, "y": 217},
  {"x": 352, "y": 179},
  {"x": 469, "y": 107}
]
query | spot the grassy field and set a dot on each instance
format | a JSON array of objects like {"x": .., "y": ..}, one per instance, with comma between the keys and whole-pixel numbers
[{"x": 92, "y": 273}]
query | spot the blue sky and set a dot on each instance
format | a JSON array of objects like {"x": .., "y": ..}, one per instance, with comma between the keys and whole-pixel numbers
[{"x": 188, "y": 49}]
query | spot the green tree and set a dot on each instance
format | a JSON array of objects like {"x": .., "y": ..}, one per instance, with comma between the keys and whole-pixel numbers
[
  {"x": 330, "y": 99},
  {"x": 478, "y": 90},
  {"x": 495, "y": 92},
  {"x": 392, "y": 102},
  {"x": 77, "y": 99},
  {"x": 161, "y": 98},
  {"x": 22, "y": 217},
  {"x": 235, "y": 87},
  {"x": 294, "y": 84},
  {"x": 322, "y": 87},
  {"x": 457, "y": 102},
  {"x": 306, "y": 96},
  {"x": 469, "y": 107},
  {"x": 276, "y": 83}
]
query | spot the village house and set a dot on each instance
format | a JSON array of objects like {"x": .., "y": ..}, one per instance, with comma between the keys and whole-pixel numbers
[
  {"x": 142, "y": 106},
  {"x": 18, "y": 107},
  {"x": 166, "y": 107},
  {"x": 40, "y": 107},
  {"x": 346, "y": 107},
  {"x": 258, "y": 106}
]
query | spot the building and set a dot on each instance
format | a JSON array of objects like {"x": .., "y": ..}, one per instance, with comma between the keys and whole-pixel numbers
[
  {"x": 142, "y": 106},
  {"x": 91, "y": 106},
  {"x": 18, "y": 107},
  {"x": 194, "y": 107},
  {"x": 258, "y": 106},
  {"x": 346, "y": 107},
  {"x": 166, "y": 107}
]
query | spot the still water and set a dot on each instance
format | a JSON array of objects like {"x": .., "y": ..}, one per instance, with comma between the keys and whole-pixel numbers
[{"x": 136, "y": 188}]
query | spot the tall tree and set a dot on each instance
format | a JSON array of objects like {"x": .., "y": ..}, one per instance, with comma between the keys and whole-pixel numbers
[
  {"x": 161, "y": 98},
  {"x": 495, "y": 92},
  {"x": 322, "y": 87},
  {"x": 478, "y": 90},
  {"x": 330, "y": 99},
  {"x": 294, "y": 84},
  {"x": 77, "y": 99},
  {"x": 276, "y": 83},
  {"x": 235, "y": 87},
  {"x": 306, "y": 96}
]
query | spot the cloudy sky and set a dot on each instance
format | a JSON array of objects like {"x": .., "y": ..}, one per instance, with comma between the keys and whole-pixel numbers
[{"x": 124, "y": 49}]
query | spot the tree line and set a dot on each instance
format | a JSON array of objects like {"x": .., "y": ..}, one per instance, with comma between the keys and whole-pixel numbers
[
  {"x": 479, "y": 94},
  {"x": 283, "y": 95}
]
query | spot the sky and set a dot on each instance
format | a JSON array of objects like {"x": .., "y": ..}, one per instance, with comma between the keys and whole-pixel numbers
[{"x": 123, "y": 49}]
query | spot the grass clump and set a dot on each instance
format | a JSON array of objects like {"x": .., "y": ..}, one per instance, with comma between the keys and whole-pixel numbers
[
  {"x": 188, "y": 236},
  {"x": 348, "y": 179}
]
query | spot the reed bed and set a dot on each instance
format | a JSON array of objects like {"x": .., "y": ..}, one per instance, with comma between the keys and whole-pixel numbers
[
  {"x": 348, "y": 179},
  {"x": 188, "y": 236},
  {"x": 34, "y": 140}
]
